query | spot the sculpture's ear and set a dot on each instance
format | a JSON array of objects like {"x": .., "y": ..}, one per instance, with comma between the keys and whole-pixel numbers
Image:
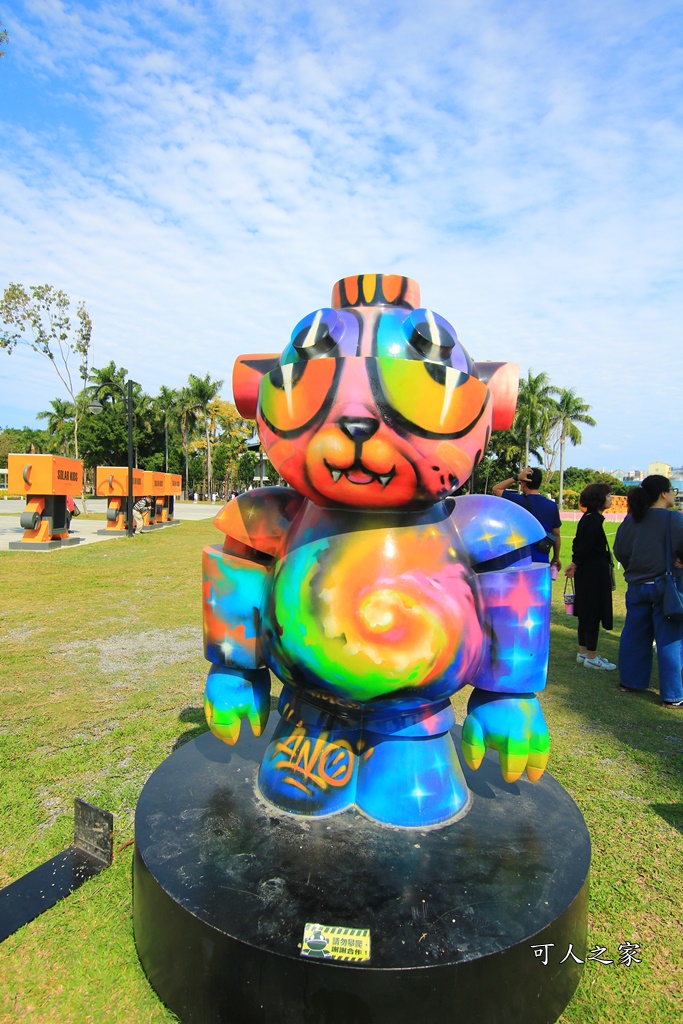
[
  {"x": 502, "y": 380},
  {"x": 246, "y": 378}
]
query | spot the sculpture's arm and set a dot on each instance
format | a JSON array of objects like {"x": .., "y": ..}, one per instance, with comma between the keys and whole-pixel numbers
[
  {"x": 503, "y": 712},
  {"x": 235, "y": 581}
]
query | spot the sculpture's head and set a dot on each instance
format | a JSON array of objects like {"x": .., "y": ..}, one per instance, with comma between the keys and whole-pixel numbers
[{"x": 374, "y": 403}]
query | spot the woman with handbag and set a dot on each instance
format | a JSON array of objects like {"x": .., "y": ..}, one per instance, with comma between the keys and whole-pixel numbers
[
  {"x": 649, "y": 543},
  {"x": 591, "y": 570}
]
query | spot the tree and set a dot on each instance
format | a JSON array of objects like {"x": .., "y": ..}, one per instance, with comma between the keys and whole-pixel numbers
[
  {"x": 188, "y": 419},
  {"x": 576, "y": 479},
  {"x": 59, "y": 424},
  {"x": 16, "y": 441},
  {"x": 509, "y": 450},
  {"x": 203, "y": 390},
  {"x": 221, "y": 454},
  {"x": 104, "y": 436},
  {"x": 235, "y": 431},
  {"x": 246, "y": 469},
  {"x": 3, "y": 39},
  {"x": 166, "y": 403},
  {"x": 145, "y": 437},
  {"x": 501, "y": 459},
  {"x": 569, "y": 410},
  {"x": 272, "y": 474},
  {"x": 41, "y": 318},
  {"x": 535, "y": 407}
]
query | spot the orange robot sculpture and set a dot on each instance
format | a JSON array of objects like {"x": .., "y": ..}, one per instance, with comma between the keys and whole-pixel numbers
[
  {"x": 112, "y": 484},
  {"x": 45, "y": 480}
]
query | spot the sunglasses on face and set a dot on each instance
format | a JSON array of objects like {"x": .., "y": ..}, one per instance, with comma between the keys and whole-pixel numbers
[{"x": 421, "y": 397}]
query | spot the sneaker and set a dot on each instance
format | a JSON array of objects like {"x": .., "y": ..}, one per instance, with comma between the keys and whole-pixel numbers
[
  {"x": 673, "y": 703},
  {"x": 580, "y": 658},
  {"x": 601, "y": 663}
]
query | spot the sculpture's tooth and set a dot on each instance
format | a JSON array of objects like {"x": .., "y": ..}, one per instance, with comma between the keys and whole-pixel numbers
[
  {"x": 384, "y": 480},
  {"x": 336, "y": 474}
]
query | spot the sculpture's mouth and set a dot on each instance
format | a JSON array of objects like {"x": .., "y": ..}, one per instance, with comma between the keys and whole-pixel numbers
[{"x": 358, "y": 474}]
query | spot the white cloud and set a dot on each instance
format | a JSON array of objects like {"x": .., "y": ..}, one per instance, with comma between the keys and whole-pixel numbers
[{"x": 201, "y": 174}]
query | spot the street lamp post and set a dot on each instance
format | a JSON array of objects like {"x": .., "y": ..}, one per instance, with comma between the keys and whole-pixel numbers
[{"x": 95, "y": 406}]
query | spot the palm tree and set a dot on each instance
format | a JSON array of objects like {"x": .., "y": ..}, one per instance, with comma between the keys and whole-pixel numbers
[
  {"x": 59, "y": 423},
  {"x": 186, "y": 410},
  {"x": 111, "y": 373},
  {"x": 144, "y": 415},
  {"x": 167, "y": 405},
  {"x": 535, "y": 409},
  {"x": 570, "y": 410},
  {"x": 114, "y": 399},
  {"x": 203, "y": 391}
]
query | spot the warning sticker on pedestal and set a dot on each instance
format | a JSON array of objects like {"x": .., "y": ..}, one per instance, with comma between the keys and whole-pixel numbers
[{"x": 332, "y": 942}]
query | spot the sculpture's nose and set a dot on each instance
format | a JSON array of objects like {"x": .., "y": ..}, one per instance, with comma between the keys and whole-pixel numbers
[{"x": 358, "y": 428}]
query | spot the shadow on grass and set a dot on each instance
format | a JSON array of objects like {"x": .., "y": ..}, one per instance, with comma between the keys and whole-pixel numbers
[
  {"x": 636, "y": 720},
  {"x": 671, "y": 813},
  {"x": 193, "y": 716}
]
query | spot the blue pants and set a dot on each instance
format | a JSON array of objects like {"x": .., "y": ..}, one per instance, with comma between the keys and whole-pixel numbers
[{"x": 645, "y": 623}]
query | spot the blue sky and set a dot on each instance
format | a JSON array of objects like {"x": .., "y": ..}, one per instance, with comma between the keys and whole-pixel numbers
[{"x": 201, "y": 173}]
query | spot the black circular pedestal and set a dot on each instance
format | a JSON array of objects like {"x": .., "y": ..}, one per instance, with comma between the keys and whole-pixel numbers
[{"x": 224, "y": 885}]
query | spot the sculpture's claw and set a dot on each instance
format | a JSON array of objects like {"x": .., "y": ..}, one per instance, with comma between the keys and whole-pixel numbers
[
  {"x": 260, "y": 710},
  {"x": 512, "y": 725},
  {"x": 223, "y": 722},
  {"x": 513, "y": 760},
  {"x": 473, "y": 745},
  {"x": 231, "y": 696},
  {"x": 538, "y": 759}
]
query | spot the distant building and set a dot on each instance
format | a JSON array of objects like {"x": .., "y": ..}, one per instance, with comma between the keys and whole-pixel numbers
[
  {"x": 636, "y": 476},
  {"x": 674, "y": 475},
  {"x": 631, "y": 476}
]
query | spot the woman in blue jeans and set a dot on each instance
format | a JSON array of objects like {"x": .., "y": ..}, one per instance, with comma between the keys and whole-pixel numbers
[{"x": 640, "y": 546}]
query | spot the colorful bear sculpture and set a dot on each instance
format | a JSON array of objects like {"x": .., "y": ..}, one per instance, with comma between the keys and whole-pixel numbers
[{"x": 366, "y": 587}]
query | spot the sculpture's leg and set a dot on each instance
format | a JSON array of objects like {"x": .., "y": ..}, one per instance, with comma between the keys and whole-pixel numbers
[
  {"x": 310, "y": 766},
  {"x": 411, "y": 782},
  {"x": 409, "y": 774}
]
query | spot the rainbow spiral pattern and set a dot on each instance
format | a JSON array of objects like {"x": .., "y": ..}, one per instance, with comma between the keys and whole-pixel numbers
[{"x": 366, "y": 614}]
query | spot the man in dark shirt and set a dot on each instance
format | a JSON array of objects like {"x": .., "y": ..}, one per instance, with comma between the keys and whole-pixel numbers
[{"x": 543, "y": 509}]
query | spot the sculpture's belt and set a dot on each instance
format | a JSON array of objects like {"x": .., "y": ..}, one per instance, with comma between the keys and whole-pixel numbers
[{"x": 395, "y": 716}]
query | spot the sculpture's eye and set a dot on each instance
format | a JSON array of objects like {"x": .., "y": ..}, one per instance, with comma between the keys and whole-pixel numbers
[
  {"x": 431, "y": 398},
  {"x": 430, "y": 335},
  {"x": 318, "y": 334},
  {"x": 292, "y": 395}
]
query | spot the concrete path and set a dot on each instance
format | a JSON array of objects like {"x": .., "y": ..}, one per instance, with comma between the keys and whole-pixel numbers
[{"x": 88, "y": 529}]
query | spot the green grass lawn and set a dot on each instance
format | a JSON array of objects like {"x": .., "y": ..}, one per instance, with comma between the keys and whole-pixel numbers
[{"x": 102, "y": 676}]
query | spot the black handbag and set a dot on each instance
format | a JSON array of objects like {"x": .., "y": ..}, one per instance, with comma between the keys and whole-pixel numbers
[
  {"x": 672, "y": 599},
  {"x": 546, "y": 544}
]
